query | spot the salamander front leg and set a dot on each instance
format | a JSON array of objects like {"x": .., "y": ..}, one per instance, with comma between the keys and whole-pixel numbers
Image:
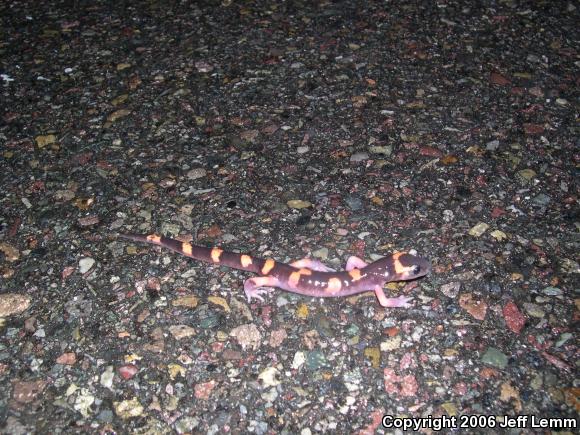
[
  {"x": 398, "y": 302},
  {"x": 355, "y": 263},
  {"x": 309, "y": 263},
  {"x": 257, "y": 286}
]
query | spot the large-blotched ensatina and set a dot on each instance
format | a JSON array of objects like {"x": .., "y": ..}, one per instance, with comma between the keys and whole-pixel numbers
[{"x": 307, "y": 276}]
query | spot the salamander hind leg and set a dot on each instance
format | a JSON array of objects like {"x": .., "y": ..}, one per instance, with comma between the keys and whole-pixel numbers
[
  {"x": 355, "y": 263},
  {"x": 257, "y": 286},
  {"x": 309, "y": 263},
  {"x": 398, "y": 302}
]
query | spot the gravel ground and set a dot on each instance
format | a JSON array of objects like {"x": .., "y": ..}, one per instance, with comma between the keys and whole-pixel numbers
[{"x": 288, "y": 129}]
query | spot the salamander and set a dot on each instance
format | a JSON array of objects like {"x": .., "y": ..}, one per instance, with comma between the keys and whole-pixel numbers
[{"x": 307, "y": 276}]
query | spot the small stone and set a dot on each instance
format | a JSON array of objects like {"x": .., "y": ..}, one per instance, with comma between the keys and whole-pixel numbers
[
  {"x": 186, "y": 301},
  {"x": 13, "y": 303},
  {"x": 478, "y": 229},
  {"x": 84, "y": 401},
  {"x": 302, "y": 149},
  {"x": 391, "y": 344},
  {"x": 298, "y": 360},
  {"x": 298, "y": 204},
  {"x": 11, "y": 253},
  {"x": 359, "y": 157},
  {"x": 498, "y": 235},
  {"x": 42, "y": 141},
  {"x": 514, "y": 319},
  {"x": 302, "y": 311},
  {"x": 269, "y": 377},
  {"x": 128, "y": 371},
  {"x": 384, "y": 150},
  {"x": 247, "y": 335},
  {"x": 181, "y": 331},
  {"x": 118, "y": 114},
  {"x": 494, "y": 357},
  {"x": 477, "y": 308},
  {"x": 128, "y": 408},
  {"x": 542, "y": 200},
  {"x": 186, "y": 424},
  {"x": 534, "y": 310},
  {"x": 315, "y": 360},
  {"x": 67, "y": 358},
  {"x": 569, "y": 266},
  {"x": 492, "y": 146},
  {"x": 196, "y": 173},
  {"x": 451, "y": 290},
  {"x": 552, "y": 291},
  {"x": 105, "y": 416},
  {"x": 526, "y": 174},
  {"x": 354, "y": 202},
  {"x": 107, "y": 377},
  {"x": 86, "y": 264},
  {"x": 175, "y": 370},
  {"x": 219, "y": 301},
  {"x": 321, "y": 253},
  {"x": 563, "y": 339},
  {"x": 374, "y": 355}
]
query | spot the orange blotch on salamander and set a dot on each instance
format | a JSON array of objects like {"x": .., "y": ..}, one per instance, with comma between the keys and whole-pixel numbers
[
  {"x": 153, "y": 238},
  {"x": 294, "y": 277},
  {"x": 215, "y": 254},
  {"x": 399, "y": 268},
  {"x": 268, "y": 266},
  {"x": 355, "y": 274},
  {"x": 245, "y": 260},
  {"x": 334, "y": 285},
  {"x": 186, "y": 248}
]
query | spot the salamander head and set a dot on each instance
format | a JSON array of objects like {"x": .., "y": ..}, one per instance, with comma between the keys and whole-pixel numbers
[{"x": 400, "y": 267}]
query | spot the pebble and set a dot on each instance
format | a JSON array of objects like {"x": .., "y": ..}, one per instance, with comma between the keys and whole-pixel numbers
[
  {"x": 128, "y": 408},
  {"x": 542, "y": 200},
  {"x": 385, "y": 150},
  {"x": 269, "y": 377},
  {"x": 478, "y": 229},
  {"x": 298, "y": 204},
  {"x": 196, "y": 173},
  {"x": 86, "y": 264},
  {"x": 492, "y": 146},
  {"x": 498, "y": 235},
  {"x": 13, "y": 303},
  {"x": 298, "y": 360},
  {"x": 359, "y": 157},
  {"x": 451, "y": 290},
  {"x": 186, "y": 424},
  {"x": 563, "y": 339},
  {"x": 315, "y": 360},
  {"x": 494, "y": 357},
  {"x": 354, "y": 202},
  {"x": 107, "y": 377},
  {"x": 391, "y": 344},
  {"x": 526, "y": 174},
  {"x": 534, "y": 310},
  {"x": 552, "y": 291}
]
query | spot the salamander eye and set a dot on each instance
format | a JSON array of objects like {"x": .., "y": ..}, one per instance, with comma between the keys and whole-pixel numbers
[{"x": 416, "y": 269}]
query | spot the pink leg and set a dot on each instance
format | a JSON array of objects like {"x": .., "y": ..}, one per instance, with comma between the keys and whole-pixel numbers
[
  {"x": 309, "y": 263},
  {"x": 257, "y": 286},
  {"x": 354, "y": 263},
  {"x": 399, "y": 302}
]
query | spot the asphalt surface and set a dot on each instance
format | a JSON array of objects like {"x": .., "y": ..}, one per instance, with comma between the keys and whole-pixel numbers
[{"x": 288, "y": 130}]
